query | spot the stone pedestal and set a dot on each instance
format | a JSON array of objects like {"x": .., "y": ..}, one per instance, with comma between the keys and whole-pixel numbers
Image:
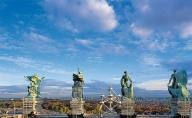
[
  {"x": 184, "y": 107},
  {"x": 174, "y": 106},
  {"x": 190, "y": 113},
  {"x": 77, "y": 106},
  {"x": 32, "y": 105},
  {"x": 128, "y": 107},
  {"x": 180, "y": 107}
]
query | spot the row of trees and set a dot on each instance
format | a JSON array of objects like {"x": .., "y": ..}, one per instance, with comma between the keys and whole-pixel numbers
[
  {"x": 152, "y": 107},
  {"x": 152, "y": 110},
  {"x": 91, "y": 106},
  {"x": 11, "y": 104},
  {"x": 58, "y": 106},
  {"x": 64, "y": 106}
]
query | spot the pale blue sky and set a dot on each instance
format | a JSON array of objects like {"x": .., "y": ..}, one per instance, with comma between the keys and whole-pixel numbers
[{"x": 53, "y": 38}]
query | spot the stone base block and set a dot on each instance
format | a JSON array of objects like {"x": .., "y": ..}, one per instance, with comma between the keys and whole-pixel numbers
[
  {"x": 77, "y": 106},
  {"x": 180, "y": 107},
  {"x": 128, "y": 107},
  {"x": 32, "y": 105}
]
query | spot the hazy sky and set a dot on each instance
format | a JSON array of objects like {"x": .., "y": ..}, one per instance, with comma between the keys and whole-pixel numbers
[{"x": 53, "y": 38}]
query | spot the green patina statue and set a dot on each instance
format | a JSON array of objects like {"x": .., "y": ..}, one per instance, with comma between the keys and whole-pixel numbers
[
  {"x": 34, "y": 88},
  {"x": 77, "y": 88},
  {"x": 178, "y": 88},
  {"x": 127, "y": 89}
]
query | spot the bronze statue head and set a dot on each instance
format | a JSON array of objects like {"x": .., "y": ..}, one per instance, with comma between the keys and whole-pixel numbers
[{"x": 174, "y": 70}]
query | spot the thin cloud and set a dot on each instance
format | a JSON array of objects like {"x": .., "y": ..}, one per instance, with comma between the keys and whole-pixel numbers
[
  {"x": 37, "y": 38},
  {"x": 150, "y": 60},
  {"x": 189, "y": 84},
  {"x": 5, "y": 40},
  {"x": 59, "y": 71},
  {"x": 72, "y": 48},
  {"x": 2, "y": 5},
  {"x": 21, "y": 61},
  {"x": 82, "y": 13},
  {"x": 36, "y": 64},
  {"x": 188, "y": 46},
  {"x": 4, "y": 36},
  {"x": 39, "y": 43},
  {"x": 153, "y": 44},
  {"x": 94, "y": 58},
  {"x": 160, "y": 84},
  {"x": 21, "y": 22},
  {"x": 177, "y": 64},
  {"x": 173, "y": 17},
  {"x": 112, "y": 49},
  {"x": 186, "y": 30},
  {"x": 5, "y": 46},
  {"x": 116, "y": 78},
  {"x": 141, "y": 32},
  {"x": 153, "y": 84},
  {"x": 84, "y": 42}
]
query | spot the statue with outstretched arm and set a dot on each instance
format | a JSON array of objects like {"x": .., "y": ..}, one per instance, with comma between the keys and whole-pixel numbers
[
  {"x": 34, "y": 88},
  {"x": 173, "y": 79}
]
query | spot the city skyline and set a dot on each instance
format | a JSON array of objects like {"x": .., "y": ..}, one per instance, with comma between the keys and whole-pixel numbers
[{"x": 104, "y": 38}]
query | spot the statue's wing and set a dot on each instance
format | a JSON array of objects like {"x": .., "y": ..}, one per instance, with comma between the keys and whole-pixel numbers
[
  {"x": 28, "y": 77},
  {"x": 181, "y": 77},
  {"x": 41, "y": 79}
]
